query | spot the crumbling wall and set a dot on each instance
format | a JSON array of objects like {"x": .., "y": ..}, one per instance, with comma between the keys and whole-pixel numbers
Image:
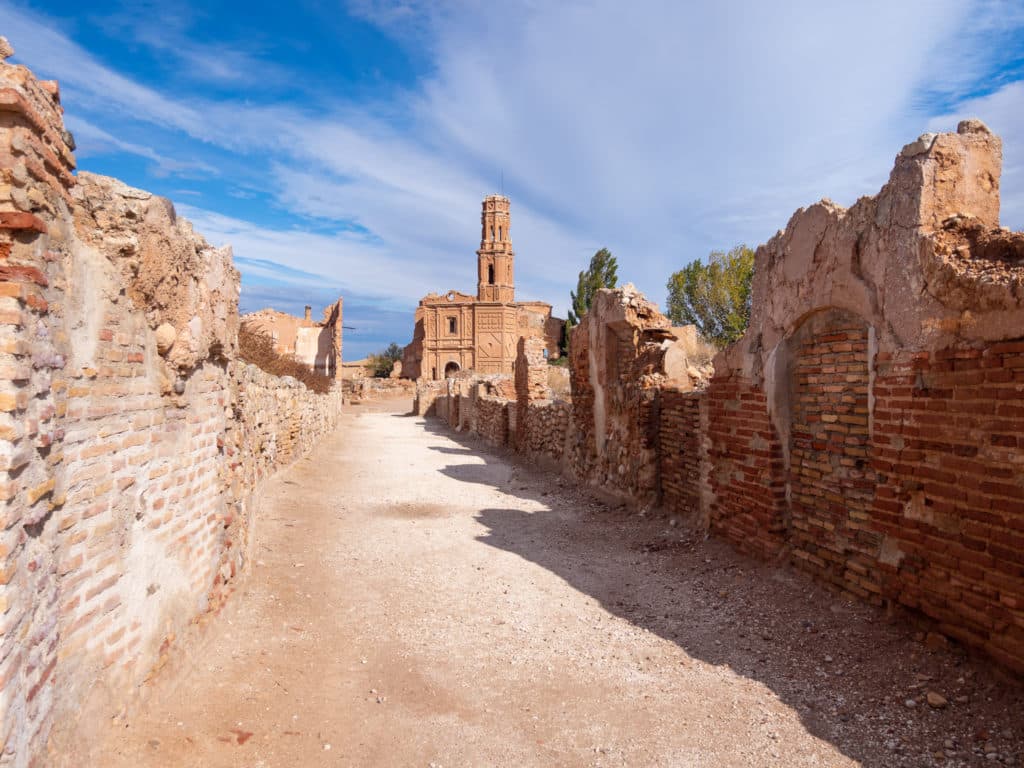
[
  {"x": 129, "y": 446},
  {"x": 358, "y": 390},
  {"x": 491, "y": 416},
  {"x": 425, "y": 400},
  {"x": 867, "y": 427},
  {"x": 868, "y": 422},
  {"x": 617, "y": 358}
]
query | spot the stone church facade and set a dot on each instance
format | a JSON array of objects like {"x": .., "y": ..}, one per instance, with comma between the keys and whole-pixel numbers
[{"x": 458, "y": 331}]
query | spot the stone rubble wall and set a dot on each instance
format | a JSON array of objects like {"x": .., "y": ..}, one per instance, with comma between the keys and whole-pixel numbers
[
  {"x": 546, "y": 430},
  {"x": 362, "y": 389},
  {"x": 869, "y": 426},
  {"x": 132, "y": 439},
  {"x": 425, "y": 399},
  {"x": 492, "y": 419}
]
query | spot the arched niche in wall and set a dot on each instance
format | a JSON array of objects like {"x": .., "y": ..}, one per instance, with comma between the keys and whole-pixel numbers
[{"x": 820, "y": 398}]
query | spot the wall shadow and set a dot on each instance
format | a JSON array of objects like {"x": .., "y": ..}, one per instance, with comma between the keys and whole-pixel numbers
[{"x": 844, "y": 667}]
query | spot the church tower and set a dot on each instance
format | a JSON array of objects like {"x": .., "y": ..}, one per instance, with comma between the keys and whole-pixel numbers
[{"x": 495, "y": 257}]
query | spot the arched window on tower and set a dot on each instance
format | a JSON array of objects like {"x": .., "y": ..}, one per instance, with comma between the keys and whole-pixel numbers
[
  {"x": 490, "y": 274},
  {"x": 500, "y": 238},
  {"x": 492, "y": 234}
]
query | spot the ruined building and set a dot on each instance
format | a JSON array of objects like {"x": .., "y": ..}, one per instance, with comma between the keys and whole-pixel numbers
[
  {"x": 316, "y": 344},
  {"x": 868, "y": 428},
  {"x": 456, "y": 331}
]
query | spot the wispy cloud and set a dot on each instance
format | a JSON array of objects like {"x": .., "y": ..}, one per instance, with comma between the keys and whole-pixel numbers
[
  {"x": 93, "y": 140},
  {"x": 661, "y": 130}
]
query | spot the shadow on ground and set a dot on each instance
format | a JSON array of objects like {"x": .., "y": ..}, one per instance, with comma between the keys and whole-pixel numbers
[{"x": 847, "y": 670}]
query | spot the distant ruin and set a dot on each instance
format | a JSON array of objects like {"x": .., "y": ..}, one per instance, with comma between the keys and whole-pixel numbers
[
  {"x": 868, "y": 427},
  {"x": 457, "y": 332},
  {"x": 315, "y": 344}
]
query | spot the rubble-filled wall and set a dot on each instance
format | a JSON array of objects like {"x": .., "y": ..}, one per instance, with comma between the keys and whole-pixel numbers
[
  {"x": 541, "y": 420},
  {"x": 868, "y": 422},
  {"x": 617, "y": 362},
  {"x": 425, "y": 400},
  {"x": 130, "y": 435}
]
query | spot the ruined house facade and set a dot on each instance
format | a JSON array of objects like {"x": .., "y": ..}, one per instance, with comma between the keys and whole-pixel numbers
[
  {"x": 457, "y": 331},
  {"x": 316, "y": 344},
  {"x": 868, "y": 428}
]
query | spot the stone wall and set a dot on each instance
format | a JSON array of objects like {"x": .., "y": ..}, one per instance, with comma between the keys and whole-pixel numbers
[
  {"x": 492, "y": 418},
  {"x": 131, "y": 437},
  {"x": 425, "y": 399},
  {"x": 617, "y": 356},
  {"x": 358, "y": 390}
]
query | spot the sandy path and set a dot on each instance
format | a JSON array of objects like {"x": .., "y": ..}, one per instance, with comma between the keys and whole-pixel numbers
[{"x": 419, "y": 602}]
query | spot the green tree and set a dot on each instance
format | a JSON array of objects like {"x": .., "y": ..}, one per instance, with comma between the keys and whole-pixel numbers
[
  {"x": 714, "y": 296},
  {"x": 381, "y": 364},
  {"x": 602, "y": 273}
]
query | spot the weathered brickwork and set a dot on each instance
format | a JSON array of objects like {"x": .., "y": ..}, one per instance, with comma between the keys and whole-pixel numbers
[
  {"x": 747, "y": 500},
  {"x": 868, "y": 424},
  {"x": 680, "y": 452},
  {"x": 831, "y": 479},
  {"x": 131, "y": 438},
  {"x": 948, "y": 450}
]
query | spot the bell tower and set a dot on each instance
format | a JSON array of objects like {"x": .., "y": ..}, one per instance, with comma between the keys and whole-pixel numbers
[{"x": 495, "y": 258}]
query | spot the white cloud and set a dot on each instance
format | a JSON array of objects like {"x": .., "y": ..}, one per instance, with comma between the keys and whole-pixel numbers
[
  {"x": 659, "y": 129},
  {"x": 346, "y": 259},
  {"x": 51, "y": 53},
  {"x": 92, "y": 140}
]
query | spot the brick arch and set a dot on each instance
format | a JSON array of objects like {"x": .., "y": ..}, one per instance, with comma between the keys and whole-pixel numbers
[{"x": 824, "y": 378}]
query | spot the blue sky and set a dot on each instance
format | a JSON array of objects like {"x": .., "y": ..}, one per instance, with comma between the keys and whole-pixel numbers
[{"x": 344, "y": 148}]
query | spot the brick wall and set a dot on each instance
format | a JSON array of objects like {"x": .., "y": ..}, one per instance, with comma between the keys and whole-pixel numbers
[
  {"x": 746, "y": 479},
  {"x": 680, "y": 452},
  {"x": 830, "y": 474},
  {"x": 947, "y": 449},
  {"x": 131, "y": 439}
]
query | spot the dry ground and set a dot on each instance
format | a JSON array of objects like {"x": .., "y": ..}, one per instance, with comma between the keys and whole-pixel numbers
[{"x": 417, "y": 600}]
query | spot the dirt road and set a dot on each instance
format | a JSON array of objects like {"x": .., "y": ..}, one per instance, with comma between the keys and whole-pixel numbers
[{"x": 419, "y": 601}]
